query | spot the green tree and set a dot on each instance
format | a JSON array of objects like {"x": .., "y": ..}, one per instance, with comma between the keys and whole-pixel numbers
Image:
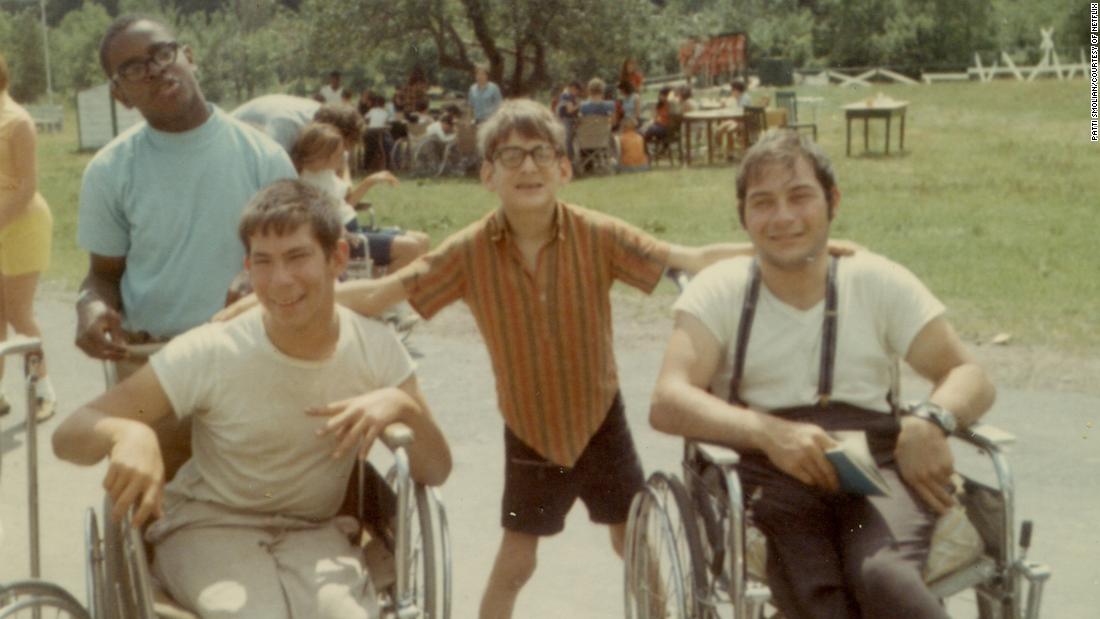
[
  {"x": 74, "y": 48},
  {"x": 517, "y": 39},
  {"x": 22, "y": 47}
]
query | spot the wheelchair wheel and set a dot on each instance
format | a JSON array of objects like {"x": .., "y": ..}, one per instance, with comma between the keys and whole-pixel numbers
[
  {"x": 427, "y": 566},
  {"x": 664, "y": 569},
  {"x": 39, "y": 599},
  {"x": 95, "y": 566}
]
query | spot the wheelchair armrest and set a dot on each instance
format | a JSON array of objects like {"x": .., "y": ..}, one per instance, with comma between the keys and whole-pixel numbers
[
  {"x": 143, "y": 351},
  {"x": 986, "y": 436},
  {"x": 397, "y": 435},
  {"x": 20, "y": 345},
  {"x": 719, "y": 455}
]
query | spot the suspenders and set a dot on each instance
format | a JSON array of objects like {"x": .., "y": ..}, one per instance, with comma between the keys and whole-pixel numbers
[{"x": 828, "y": 335}]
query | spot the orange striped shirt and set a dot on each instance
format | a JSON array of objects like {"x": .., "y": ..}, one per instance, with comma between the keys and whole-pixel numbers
[{"x": 548, "y": 332}]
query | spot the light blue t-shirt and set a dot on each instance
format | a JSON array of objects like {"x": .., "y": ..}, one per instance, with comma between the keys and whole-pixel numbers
[
  {"x": 281, "y": 117},
  {"x": 170, "y": 204},
  {"x": 484, "y": 101}
]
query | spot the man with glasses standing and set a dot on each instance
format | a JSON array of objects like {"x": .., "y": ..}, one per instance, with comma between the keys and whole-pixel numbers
[{"x": 159, "y": 205}]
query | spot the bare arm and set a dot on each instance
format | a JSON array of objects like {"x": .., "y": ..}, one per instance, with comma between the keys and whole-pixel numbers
[
  {"x": 117, "y": 425},
  {"x": 682, "y": 406},
  {"x": 959, "y": 385},
  {"x": 695, "y": 259},
  {"x": 366, "y": 416},
  {"x": 99, "y": 307},
  {"x": 357, "y": 192},
  {"x": 15, "y": 200}
]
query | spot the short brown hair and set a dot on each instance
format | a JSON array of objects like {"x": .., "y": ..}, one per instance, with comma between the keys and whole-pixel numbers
[
  {"x": 3, "y": 74},
  {"x": 284, "y": 206},
  {"x": 596, "y": 86},
  {"x": 784, "y": 146},
  {"x": 344, "y": 117},
  {"x": 315, "y": 141},
  {"x": 528, "y": 118}
]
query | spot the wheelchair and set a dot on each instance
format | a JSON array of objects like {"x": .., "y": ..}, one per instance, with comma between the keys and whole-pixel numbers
[
  {"x": 401, "y": 527},
  {"x": 33, "y": 597},
  {"x": 692, "y": 551}
]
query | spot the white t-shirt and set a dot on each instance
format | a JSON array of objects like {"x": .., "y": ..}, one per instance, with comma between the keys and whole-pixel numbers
[
  {"x": 253, "y": 446},
  {"x": 435, "y": 131},
  {"x": 881, "y": 308},
  {"x": 332, "y": 95},
  {"x": 377, "y": 118},
  {"x": 334, "y": 185}
]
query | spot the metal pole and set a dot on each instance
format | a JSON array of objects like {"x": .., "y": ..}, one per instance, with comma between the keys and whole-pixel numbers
[
  {"x": 31, "y": 372},
  {"x": 46, "y": 51}
]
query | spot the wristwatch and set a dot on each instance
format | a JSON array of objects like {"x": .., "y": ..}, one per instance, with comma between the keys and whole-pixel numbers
[{"x": 930, "y": 411}]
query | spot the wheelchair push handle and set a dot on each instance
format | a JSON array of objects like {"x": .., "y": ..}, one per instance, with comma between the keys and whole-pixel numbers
[
  {"x": 397, "y": 435},
  {"x": 20, "y": 346}
]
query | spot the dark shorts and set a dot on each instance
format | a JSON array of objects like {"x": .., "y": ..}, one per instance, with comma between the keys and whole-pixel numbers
[
  {"x": 538, "y": 493},
  {"x": 379, "y": 242}
]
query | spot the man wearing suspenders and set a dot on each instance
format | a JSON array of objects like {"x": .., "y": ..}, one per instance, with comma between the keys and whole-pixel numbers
[{"x": 770, "y": 354}]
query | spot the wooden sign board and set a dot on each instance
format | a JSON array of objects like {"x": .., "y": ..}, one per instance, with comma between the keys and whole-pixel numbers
[{"x": 100, "y": 118}]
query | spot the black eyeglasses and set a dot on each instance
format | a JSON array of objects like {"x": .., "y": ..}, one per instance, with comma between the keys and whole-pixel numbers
[
  {"x": 137, "y": 69},
  {"x": 512, "y": 157}
]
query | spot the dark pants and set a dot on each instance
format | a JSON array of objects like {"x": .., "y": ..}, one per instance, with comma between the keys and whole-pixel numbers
[{"x": 832, "y": 555}]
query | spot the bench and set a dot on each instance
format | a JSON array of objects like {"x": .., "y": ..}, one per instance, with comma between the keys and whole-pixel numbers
[{"x": 47, "y": 118}]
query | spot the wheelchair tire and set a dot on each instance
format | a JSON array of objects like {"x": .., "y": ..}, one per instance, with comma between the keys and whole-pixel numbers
[
  {"x": 32, "y": 598},
  {"x": 429, "y": 569},
  {"x": 662, "y": 520},
  {"x": 95, "y": 568}
]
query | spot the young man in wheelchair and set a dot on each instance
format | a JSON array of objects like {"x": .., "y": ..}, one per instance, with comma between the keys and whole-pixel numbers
[
  {"x": 771, "y": 355},
  {"x": 283, "y": 399}
]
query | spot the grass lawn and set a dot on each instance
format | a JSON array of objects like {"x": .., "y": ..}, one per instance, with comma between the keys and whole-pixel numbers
[{"x": 992, "y": 204}]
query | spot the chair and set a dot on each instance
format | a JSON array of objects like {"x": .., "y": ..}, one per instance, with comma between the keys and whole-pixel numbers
[
  {"x": 461, "y": 155},
  {"x": 665, "y": 146},
  {"x": 755, "y": 124},
  {"x": 789, "y": 99},
  {"x": 691, "y": 547},
  {"x": 403, "y": 148},
  {"x": 402, "y": 530},
  {"x": 592, "y": 145}
]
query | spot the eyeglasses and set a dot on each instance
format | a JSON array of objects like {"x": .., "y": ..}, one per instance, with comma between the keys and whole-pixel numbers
[
  {"x": 512, "y": 157},
  {"x": 137, "y": 70}
]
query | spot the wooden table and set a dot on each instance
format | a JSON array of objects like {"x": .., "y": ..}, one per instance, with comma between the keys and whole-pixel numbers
[
  {"x": 709, "y": 117},
  {"x": 874, "y": 108},
  {"x": 776, "y": 117}
]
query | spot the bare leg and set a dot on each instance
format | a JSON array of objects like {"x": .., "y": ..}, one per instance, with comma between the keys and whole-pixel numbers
[
  {"x": 406, "y": 248},
  {"x": 618, "y": 537},
  {"x": 18, "y": 304},
  {"x": 514, "y": 566},
  {"x": 18, "y": 307}
]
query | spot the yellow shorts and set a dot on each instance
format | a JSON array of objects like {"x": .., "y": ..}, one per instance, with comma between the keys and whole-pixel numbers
[{"x": 25, "y": 242}]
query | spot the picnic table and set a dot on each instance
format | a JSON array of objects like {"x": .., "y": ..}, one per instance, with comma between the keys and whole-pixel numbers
[
  {"x": 47, "y": 118},
  {"x": 876, "y": 107},
  {"x": 776, "y": 117}
]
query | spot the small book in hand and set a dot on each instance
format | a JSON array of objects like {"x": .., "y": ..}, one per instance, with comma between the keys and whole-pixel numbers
[{"x": 855, "y": 468}]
